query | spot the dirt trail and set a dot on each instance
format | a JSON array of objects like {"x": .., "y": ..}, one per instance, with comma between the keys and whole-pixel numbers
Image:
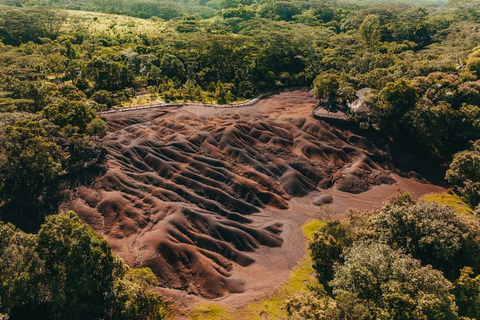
[{"x": 212, "y": 199}]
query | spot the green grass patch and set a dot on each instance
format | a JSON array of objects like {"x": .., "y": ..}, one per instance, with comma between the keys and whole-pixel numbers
[
  {"x": 451, "y": 200},
  {"x": 112, "y": 25},
  {"x": 212, "y": 311},
  {"x": 273, "y": 305},
  {"x": 310, "y": 227},
  {"x": 143, "y": 100},
  {"x": 298, "y": 281}
]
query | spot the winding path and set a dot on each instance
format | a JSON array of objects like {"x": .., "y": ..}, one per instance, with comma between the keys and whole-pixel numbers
[
  {"x": 317, "y": 111},
  {"x": 179, "y": 104}
]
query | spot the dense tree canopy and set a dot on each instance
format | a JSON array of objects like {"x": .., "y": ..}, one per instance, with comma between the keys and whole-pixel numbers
[
  {"x": 29, "y": 159},
  {"x": 409, "y": 260},
  {"x": 434, "y": 234},
  {"x": 392, "y": 285},
  {"x": 68, "y": 271},
  {"x": 464, "y": 173}
]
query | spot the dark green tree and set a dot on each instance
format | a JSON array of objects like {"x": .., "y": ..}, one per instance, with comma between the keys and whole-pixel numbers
[
  {"x": 393, "y": 103},
  {"x": 79, "y": 267},
  {"x": 97, "y": 127},
  {"x": 29, "y": 160},
  {"x": 20, "y": 269},
  {"x": 19, "y": 26},
  {"x": 327, "y": 246},
  {"x": 108, "y": 75},
  {"x": 464, "y": 173},
  {"x": 73, "y": 113},
  {"x": 171, "y": 66}
]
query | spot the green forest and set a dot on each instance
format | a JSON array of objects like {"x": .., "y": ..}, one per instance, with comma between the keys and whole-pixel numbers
[{"x": 63, "y": 61}]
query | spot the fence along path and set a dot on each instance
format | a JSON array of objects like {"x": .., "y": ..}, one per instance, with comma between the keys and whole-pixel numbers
[
  {"x": 316, "y": 109},
  {"x": 179, "y": 104},
  {"x": 320, "y": 113}
]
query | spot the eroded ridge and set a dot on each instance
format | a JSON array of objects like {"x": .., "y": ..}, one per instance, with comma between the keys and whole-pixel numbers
[{"x": 183, "y": 194}]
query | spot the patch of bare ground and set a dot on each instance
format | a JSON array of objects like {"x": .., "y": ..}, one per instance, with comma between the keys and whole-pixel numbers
[{"x": 212, "y": 200}]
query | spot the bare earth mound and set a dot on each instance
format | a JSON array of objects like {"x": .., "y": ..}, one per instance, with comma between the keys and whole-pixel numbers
[{"x": 212, "y": 199}]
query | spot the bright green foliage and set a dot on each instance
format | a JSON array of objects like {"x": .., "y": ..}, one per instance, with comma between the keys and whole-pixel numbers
[
  {"x": 311, "y": 306},
  {"x": 473, "y": 64},
  {"x": 132, "y": 299},
  {"x": 97, "y": 127},
  {"x": 56, "y": 63},
  {"x": 370, "y": 31},
  {"x": 333, "y": 90},
  {"x": 213, "y": 312},
  {"x": 310, "y": 227},
  {"x": 449, "y": 199},
  {"x": 325, "y": 85},
  {"x": 432, "y": 233},
  {"x": 392, "y": 285},
  {"x": 467, "y": 293},
  {"x": 465, "y": 166}
]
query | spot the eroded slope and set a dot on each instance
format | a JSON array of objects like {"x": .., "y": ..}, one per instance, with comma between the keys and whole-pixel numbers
[{"x": 184, "y": 189}]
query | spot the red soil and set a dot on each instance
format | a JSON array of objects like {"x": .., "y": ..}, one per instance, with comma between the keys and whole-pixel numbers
[{"x": 212, "y": 200}]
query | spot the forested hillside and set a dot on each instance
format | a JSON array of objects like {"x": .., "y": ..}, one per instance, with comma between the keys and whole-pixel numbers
[{"x": 408, "y": 71}]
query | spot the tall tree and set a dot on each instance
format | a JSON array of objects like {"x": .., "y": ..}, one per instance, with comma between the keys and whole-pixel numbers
[
  {"x": 79, "y": 267},
  {"x": 370, "y": 31}
]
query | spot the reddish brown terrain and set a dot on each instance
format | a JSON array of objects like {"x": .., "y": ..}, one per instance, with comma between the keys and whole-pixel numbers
[{"x": 212, "y": 200}]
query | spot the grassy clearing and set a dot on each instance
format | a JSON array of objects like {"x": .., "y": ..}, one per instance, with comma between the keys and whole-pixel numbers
[
  {"x": 272, "y": 305},
  {"x": 140, "y": 101},
  {"x": 145, "y": 100},
  {"x": 112, "y": 24},
  {"x": 298, "y": 281},
  {"x": 451, "y": 200},
  {"x": 212, "y": 311}
]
